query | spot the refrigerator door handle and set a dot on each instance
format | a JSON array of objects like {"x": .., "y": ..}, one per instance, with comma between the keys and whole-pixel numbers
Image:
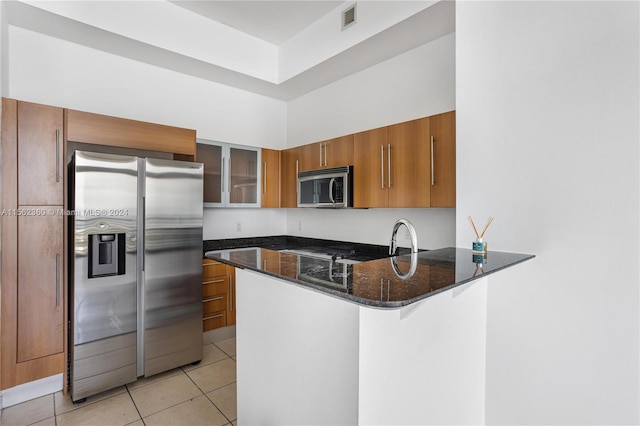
[{"x": 143, "y": 228}]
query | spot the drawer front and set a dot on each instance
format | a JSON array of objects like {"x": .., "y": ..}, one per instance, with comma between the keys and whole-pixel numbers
[
  {"x": 212, "y": 269},
  {"x": 214, "y": 304},
  {"x": 214, "y": 320},
  {"x": 214, "y": 286}
]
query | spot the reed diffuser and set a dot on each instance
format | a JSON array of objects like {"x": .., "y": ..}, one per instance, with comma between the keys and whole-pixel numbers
[{"x": 479, "y": 245}]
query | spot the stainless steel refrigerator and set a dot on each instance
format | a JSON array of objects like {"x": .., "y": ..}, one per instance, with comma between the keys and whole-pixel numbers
[{"x": 136, "y": 269}]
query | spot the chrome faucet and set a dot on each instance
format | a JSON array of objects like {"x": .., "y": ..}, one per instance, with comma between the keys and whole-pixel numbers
[{"x": 393, "y": 245}]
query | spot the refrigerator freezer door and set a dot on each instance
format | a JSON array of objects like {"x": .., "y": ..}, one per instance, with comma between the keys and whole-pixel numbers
[
  {"x": 172, "y": 293},
  {"x": 103, "y": 294}
]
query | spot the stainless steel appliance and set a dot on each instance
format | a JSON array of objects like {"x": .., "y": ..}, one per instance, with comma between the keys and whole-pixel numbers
[
  {"x": 332, "y": 187},
  {"x": 135, "y": 279}
]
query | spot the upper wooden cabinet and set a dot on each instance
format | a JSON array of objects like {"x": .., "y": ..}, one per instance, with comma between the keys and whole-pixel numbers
[
  {"x": 99, "y": 129},
  {"x": 408, "y": 159},
  {"x": 270, "y": 178},
  {"x": 40, "y": 155},
  {"x": 329, "y": 153},
  {"x": 410, "y": 164},
  {"x": 289, "y": 168},
  {"x": 370, "y": 169},
  {"x": 443, "y": 138}
]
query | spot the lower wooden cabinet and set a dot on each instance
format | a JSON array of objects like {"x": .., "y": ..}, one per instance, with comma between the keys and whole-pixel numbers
[
  {"x": 218, "y": 295},
  {"x": 40, "y": 287}
]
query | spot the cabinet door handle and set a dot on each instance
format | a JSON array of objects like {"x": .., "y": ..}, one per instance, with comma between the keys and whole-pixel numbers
[
  {"x": 296, "y": 176},
  {"x": 264, "y": 183},
  {"x": 214, "y": 281},
  {"x": 57, "y": 279},
  {"x": 212, "y": 317},
  {"x": 389, "y": 163},
  {"x": 320, "y": 155},
  {"x": 433, "y": 177},
  {"x": 212, "y": 299},
  {"x": 231, "y": 292},
  {"x": 222, "y": 176},
  {"x": 382, "y": 165},
  {"x": 325, "y": 155},
  {"x": 57, "y": 155}
]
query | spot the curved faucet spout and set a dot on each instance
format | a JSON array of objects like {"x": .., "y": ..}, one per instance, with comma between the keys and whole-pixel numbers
[{"x": 393, "y": 245}]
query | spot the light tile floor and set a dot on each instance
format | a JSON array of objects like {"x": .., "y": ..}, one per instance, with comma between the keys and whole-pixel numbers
[{"x": 194, "y": 395}]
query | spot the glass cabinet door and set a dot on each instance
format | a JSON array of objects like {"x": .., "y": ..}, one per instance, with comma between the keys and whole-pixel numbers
[
  {"x": 231, "y": 174},
  {"x": 211, "y": 157},
  {"x": 243, "y": 170}
]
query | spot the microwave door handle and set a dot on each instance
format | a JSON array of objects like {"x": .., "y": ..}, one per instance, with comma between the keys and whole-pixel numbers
[{"x": 332, "y": 184}]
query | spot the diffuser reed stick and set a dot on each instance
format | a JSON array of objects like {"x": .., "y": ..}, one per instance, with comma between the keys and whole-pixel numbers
[
  {"x": 474, "y": 226},
  {"x": 486, "y": 226}
]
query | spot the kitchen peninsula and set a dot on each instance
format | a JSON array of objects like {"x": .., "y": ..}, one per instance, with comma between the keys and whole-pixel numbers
[{"x": 394, "y": 340}]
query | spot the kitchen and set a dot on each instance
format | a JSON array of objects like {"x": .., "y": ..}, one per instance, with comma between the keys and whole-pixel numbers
[{"x": 551, "y": 323}]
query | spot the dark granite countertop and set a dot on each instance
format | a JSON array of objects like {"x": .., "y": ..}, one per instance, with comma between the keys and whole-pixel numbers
[
  {"x": 384, "y": 282},
  {"x": 355, "y": 251}
]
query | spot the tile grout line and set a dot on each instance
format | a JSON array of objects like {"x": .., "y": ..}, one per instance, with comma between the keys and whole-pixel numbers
[
  {"x": 205, "y": 394},
  {"x": 128, "y": 390},
  {"x": 135, "y": 405}
]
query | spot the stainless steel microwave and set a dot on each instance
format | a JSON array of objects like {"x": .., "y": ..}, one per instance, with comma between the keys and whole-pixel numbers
[{"x": 332, "y": 187}]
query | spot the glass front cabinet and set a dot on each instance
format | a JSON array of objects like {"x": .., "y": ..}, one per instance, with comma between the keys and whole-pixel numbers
[{"x": 231, "y": 174}]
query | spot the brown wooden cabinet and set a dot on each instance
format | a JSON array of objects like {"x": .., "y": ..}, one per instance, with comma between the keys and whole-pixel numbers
[
  {"x": 394, "y": 166},
  {"x": 40, "y": 157},
  {"x": 270, "y": 196},
  {"x": 289, "y": 168},
  {"x": 409, "y": 157},
  {"x": 443, "y": 186},
  {"x": 370, "y": 186},
  {"x": 99, "y": 129},
  {"x": 33, "y": 291},
  {"x": 330, "y": 153},
  {"x": 218, "y": 295},
  {"x": 40, "y": 286}
]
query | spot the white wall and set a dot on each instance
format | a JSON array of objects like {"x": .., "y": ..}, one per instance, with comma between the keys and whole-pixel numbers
[
  {"x": 434, "y": 227},
  {"x": 4, "y": 46},
  {"x": 415, "y": 84},
  {"x": 424, "y": 364},
  {"x": 223, "y": 223},
  {"x": 547, "y": 141},
  {"x": 52, "y": 71}
]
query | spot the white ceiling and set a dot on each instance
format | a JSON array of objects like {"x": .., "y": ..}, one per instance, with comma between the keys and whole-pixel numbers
[{"x": 271, "y": 21}]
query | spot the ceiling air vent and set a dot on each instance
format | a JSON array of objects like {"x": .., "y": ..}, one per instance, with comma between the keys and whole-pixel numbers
[{"x": 349, "y": 16}]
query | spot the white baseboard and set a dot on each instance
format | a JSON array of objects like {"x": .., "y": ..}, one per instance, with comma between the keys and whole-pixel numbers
[{"x": 30, "y": 390}]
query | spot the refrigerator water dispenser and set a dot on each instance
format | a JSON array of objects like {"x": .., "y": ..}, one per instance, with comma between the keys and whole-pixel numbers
[{"x": 106, "y": 255}]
